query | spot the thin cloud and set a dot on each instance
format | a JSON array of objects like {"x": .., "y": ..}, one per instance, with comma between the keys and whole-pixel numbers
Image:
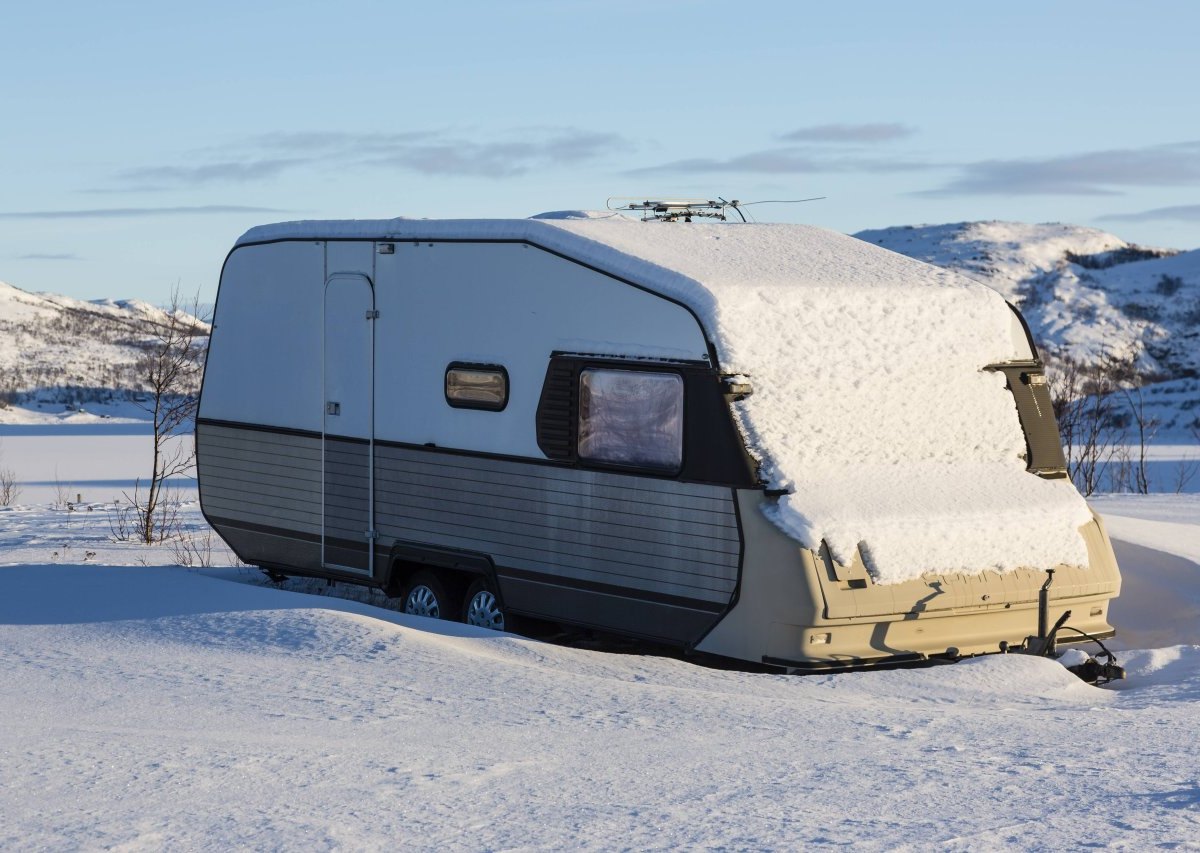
[
  {"x": 429, "y": 152},
  {"x": 500, "y": 159},
  {"x": 132, "y": 212},
  {"x": 786, "y": 161},
  {"x": 858, "y": 133},
  {"x": 159, "y": 177},
  {"x": 38, "y": 256},
  {"x": 325, "y": 142},
  {"x": 1180, "y": 213},
  {"x": 1090, "y": 173}
]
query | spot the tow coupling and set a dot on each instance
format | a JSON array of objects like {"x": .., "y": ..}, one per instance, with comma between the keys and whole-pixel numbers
[{"x": 1097, "y": 670}]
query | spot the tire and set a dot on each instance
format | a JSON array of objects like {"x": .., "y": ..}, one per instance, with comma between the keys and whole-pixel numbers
[
  {"x": 481, "y": 606},
  {"x": 426, "y": 594}
]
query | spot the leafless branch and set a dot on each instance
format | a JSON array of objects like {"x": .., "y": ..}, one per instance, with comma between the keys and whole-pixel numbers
[{"x": 170, "y": 368}]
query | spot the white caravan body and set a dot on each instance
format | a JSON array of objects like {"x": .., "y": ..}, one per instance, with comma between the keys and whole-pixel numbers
[{"x": 563, "y": 410}]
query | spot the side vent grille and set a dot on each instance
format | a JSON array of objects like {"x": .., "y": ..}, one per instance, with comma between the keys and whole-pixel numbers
[{"x": 556, "y": 411}]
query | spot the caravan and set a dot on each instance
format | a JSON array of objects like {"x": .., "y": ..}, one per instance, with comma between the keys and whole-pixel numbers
[{"x": 770, "y": 443}]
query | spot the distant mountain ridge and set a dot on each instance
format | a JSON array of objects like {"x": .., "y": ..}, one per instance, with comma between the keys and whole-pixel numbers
[
  {"x": 62, "y": 351},
  {"x": 1086, "y": 294}
]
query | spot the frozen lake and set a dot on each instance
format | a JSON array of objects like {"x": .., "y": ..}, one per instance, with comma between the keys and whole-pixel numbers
[{"x": 94, "y": 463}]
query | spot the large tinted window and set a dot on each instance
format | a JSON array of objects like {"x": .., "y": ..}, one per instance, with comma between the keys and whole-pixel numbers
[{"x": 631, "y": 417}]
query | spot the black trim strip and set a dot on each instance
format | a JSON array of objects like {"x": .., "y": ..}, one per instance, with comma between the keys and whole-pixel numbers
[
  {"x": 816, "y": 666},
  {"x": 501, "y": 571},
  {"x": 346, "y": 439},
  {"x": 609, "y": 589},
  {"x": 217, "y": 422},
  {"x": 271, "y": 530},
  {"x": 454, "y": 451}
]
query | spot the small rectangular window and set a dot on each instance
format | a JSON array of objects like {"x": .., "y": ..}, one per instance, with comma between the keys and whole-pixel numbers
[
  {"x": 631, "y": 417},
  {"x": 477, "y": 386}
]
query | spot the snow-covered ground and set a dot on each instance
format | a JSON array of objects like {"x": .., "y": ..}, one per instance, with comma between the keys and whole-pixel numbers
[{"x": 149, "y": 706}]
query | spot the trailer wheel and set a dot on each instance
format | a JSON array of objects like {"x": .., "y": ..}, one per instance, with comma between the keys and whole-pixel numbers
[
  {"x": 481, "y": 607},
  {"x": 426, "y": 594}
]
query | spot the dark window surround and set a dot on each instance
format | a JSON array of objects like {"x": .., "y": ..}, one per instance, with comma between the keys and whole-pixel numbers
[
  {"x": 475, "y": 404},
  {"x": 713, "y": 450}
]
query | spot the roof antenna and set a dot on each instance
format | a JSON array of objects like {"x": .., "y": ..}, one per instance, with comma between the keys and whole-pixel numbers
[{"x": 674, "y": 209}]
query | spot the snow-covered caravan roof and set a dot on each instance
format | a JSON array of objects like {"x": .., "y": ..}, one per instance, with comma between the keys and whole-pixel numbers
[{"x": 870, "y": 400}]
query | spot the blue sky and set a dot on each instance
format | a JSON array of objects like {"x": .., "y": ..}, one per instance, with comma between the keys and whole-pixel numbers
[{"x": 139, "y": 140}]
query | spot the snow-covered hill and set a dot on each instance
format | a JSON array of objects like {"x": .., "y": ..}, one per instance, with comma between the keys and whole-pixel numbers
[
  {"x": 57, "y": 352},
  {"x": 1087, "y": 295}
]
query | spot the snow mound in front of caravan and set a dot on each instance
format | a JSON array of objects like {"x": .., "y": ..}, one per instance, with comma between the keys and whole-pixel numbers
[{"x": 870, "y": 404}]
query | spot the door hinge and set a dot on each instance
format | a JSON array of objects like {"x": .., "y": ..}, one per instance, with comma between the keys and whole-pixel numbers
[{"x": 372, "y": 315}]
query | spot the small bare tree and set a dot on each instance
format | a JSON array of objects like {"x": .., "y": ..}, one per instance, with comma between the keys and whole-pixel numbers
[
  {"x": 170, "y": 369},
  {"x": 9, "y": 490},
  {"x": 1146, "y": 427},
  {"x": 1187, "y": 468},
  {"x": 1083, "y": 396}
]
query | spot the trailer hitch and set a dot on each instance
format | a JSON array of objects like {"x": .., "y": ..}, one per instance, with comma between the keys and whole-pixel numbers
[{"x": 1045, "y": 644}]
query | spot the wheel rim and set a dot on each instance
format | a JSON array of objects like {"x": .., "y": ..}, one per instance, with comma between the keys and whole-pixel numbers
[
  {"x": 421, "y": 601},
  {"x": 484, "y": 611}
]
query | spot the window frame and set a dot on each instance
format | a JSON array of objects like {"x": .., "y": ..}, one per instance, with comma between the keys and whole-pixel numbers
[
  {"x": 476, "y": 405},
  {"x": 714, "y": 449},
  {"x": 657, "y": 369}
]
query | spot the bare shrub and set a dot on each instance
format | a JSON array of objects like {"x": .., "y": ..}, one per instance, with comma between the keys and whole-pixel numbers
[
  {"x": 1120, "y": 470},
  {"x": 121, "y": 521},
  {"x": 194, "y": 550},
  {"x": 1187, "y": 469},
  {"x": 62, "y": 492},
  {"x": 1145, "y": 428},
  {"x": 9, "y": 490},
  {"x": 131, "y": 521},
  {"x": 1084, "y": 397},
  {"x": 170, "y": 368},
  {"x": 1185, "y": 472}
]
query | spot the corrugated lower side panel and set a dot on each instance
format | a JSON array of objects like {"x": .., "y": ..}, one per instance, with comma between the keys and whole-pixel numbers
[
  {"x": 658, "y": 536},
  {"x": 347, "y": 485},
  {"x": 260, "y": 478},
  {"x": 610, "y": 530}
]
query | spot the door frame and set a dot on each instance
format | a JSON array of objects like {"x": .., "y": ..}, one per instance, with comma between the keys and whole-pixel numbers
[{"x": 370, "y": 535}]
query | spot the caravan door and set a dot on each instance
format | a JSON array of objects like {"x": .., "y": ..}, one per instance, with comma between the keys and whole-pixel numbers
[{"x": 348, "y": 527}]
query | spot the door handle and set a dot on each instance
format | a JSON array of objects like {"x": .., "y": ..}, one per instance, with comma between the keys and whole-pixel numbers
[{"x": 333, "y": 408}]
